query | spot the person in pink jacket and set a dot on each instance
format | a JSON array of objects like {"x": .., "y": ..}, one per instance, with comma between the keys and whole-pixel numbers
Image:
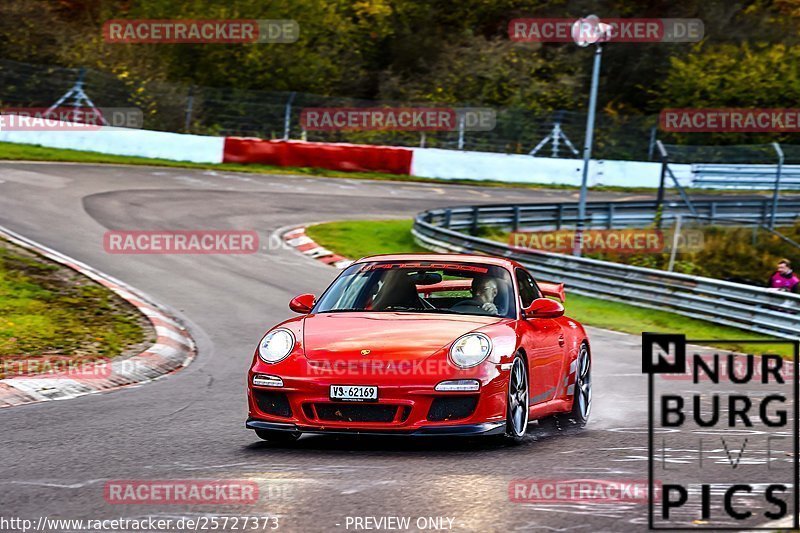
[{"x": 784, "y": 279}]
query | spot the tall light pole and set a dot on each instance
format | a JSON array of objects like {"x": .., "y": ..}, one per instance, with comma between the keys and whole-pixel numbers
[{"x": 585, "y": 32}]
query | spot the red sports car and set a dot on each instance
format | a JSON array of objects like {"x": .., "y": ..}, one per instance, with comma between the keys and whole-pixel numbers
[{"x": 422, "y": 344}]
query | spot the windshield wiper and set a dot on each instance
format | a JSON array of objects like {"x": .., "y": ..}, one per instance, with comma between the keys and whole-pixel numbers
[
  {"x": 400, "y": 309},
  {"x": 422, "y": 310}
]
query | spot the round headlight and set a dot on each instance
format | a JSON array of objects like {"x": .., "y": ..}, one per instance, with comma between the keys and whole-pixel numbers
[
  {"x": 276, "y": 345},
  {"x": 470, "y": 350}
]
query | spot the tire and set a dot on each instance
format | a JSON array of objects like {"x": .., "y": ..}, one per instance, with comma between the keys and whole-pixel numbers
[
  {"x": 582, "y": 403},
  {"x": 517, "y": 406},
  {"x": 277, "y": 436}
]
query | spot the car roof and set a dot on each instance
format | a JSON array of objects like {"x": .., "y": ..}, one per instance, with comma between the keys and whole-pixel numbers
[{"x": 456, "y": 258}]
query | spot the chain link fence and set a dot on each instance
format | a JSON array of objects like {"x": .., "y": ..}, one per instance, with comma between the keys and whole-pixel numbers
[{"x": 275, "y": 115}]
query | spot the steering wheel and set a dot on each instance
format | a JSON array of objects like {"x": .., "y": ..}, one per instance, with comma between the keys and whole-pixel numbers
[{"x": 469, "y": 305}]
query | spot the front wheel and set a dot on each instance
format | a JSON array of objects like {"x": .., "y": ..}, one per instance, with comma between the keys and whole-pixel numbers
[
  {"x": 281, "y": 437},
  {"x": 517, "y": 409}
]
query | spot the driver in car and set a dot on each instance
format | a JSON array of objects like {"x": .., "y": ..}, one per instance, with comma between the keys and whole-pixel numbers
[{"x": 484, "y": 292}]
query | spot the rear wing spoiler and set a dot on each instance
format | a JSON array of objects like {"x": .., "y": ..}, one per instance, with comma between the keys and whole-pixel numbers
[
  {"x": 446, "y": 285},
  {"x": 553, "y": 290}
]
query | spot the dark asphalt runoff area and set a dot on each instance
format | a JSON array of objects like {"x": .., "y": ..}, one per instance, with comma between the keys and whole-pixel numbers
[{"x": 56, "y": 457}]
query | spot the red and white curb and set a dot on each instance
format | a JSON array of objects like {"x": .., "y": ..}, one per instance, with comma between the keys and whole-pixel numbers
[
  {"x": 296, "y": 238},
  {"x": 173, "y": 349}
]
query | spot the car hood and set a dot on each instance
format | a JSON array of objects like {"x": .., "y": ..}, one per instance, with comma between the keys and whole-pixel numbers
[{"x": 387, "y": 336}]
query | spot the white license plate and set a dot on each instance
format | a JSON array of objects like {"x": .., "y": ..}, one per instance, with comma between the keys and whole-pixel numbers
[{"x": 354, "y": 393}]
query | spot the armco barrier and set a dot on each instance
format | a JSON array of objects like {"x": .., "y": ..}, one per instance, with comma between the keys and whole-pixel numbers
[
  {"x": 518, "y": 168},
  {"x": 750, "y": 308},
  {"x": 733, "y": 176},
  {"x": 608, "y": 215},
  {"x": 345, "y": 157},
  {"x": 124, "y": 141}
]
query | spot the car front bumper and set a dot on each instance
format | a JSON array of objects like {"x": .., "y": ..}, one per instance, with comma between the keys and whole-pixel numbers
[
  {"x": 406, "y": 404},
  {"x": 484, "y": 429}
]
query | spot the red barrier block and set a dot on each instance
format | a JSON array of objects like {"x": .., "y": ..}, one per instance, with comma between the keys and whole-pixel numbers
[{"x": 332, "y": 156}]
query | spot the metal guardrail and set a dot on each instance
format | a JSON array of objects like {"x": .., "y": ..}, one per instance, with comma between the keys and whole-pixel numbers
[
  {"x": 733, "y": 176},
  {"x": 742, "y": 306},
  {"x": 608, "y": 215}
]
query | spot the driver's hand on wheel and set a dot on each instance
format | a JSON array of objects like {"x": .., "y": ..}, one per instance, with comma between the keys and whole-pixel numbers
[{"x": 489, "y": 308}]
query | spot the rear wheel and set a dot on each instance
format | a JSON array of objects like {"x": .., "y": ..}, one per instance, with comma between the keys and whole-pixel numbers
[
  {"x": 517, "y": 409},
  {"x": 277, "y": 436},
  {"x": 582, "y": 402}
]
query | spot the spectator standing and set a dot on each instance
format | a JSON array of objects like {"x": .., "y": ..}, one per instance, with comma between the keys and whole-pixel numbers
[{"x": 784, "y": 279}]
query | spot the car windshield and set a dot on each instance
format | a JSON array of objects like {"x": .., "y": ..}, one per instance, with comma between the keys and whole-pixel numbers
[{"x": 421, "y": 287}]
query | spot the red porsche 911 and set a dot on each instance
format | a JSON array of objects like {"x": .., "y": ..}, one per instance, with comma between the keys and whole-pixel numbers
[{"x": 422, "y": 345}]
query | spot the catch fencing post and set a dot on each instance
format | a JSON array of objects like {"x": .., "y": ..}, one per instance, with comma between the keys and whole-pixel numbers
[
  {"x": 287, "y": 117},
  {"x": 652, "y": 145},
  {"x": 461, "y": 133},
  {"x": 775, "y": 194},
  {"x": 662, "y": 182},
  {"x": 675, "y": 239},
  {"x": 187, "y": 121}
]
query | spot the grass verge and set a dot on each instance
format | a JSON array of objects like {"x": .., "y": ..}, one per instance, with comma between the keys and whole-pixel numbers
[
  {"x": 52, "y": 318},
  {"x": 355, "y": 239}
]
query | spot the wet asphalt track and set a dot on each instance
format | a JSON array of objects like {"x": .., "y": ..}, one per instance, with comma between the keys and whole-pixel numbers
[{"x": 55, "y": 457}]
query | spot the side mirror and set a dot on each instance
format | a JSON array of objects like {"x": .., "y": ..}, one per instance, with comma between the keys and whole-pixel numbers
[
  {"x": 544, "y": 308},
  {"x": 302, "y": 304}
]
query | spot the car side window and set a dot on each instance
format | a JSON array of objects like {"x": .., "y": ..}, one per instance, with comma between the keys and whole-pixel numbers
[{"x": 528, "y": 291}]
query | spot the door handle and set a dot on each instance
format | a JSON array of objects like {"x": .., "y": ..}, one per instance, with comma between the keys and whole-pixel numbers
[{"x": 561, "y": 341}]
